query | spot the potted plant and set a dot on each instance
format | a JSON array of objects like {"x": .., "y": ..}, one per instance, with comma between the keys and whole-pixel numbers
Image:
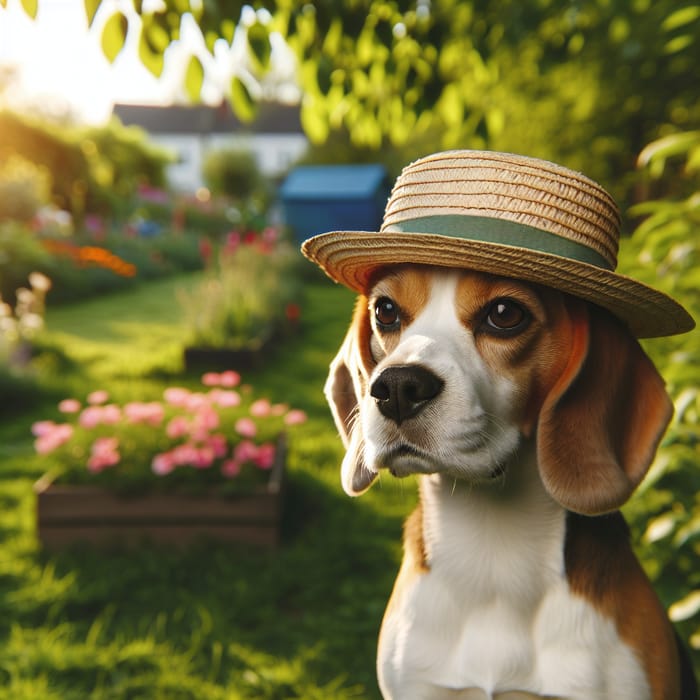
[
  {"x": 248, "y": 299},
  {"x": 194, "y": 462}
]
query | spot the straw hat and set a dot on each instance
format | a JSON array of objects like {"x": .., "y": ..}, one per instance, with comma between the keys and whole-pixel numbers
[{"x": 508, "y": 215}]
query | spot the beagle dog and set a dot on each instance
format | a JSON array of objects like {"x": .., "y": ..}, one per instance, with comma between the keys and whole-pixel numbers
[{"x": 529, "y": 417}]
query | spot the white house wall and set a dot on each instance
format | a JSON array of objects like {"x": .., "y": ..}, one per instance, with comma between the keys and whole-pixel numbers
[{"x": 275, "y": 154}]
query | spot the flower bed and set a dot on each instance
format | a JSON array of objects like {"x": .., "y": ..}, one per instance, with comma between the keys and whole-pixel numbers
[
  {"x": 219, "y": 445},
  {"x": 248, "y": 300}
]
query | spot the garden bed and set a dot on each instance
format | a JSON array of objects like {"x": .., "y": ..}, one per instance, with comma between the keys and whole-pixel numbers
[
  {"x": 202, "y": 358},
  {"x": 71, "y": 514}
]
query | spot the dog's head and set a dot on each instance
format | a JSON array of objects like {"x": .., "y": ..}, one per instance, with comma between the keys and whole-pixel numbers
[{"x": 453, "y": 372}]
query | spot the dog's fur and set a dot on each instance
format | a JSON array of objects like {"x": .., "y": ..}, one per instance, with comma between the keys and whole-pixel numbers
[{"x": 518, "y": 580}]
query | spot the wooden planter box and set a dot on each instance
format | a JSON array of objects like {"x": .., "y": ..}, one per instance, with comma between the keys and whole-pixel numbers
[
  {"x": 197, "y": 358},
  {"x": 202, "y": 359},
  {"x": 68, "y": 515}
]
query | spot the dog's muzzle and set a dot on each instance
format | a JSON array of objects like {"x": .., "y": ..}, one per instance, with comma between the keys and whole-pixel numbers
[{"x": 402, "y": 392}]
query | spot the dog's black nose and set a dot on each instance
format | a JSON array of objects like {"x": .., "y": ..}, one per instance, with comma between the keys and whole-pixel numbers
[{"x": 402, "y": 392}]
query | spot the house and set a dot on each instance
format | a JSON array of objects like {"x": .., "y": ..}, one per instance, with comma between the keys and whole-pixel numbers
[{"x": 275, "y": 137}]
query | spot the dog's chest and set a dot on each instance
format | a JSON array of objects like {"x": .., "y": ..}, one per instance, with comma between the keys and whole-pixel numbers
[{"x": 495, "y": 613}]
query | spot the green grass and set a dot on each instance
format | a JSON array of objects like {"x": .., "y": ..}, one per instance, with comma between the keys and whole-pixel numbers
[{"x": 213, "y": 621}]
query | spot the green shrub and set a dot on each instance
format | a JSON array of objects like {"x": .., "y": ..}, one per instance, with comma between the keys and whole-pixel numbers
[
  {"x": 91, "y": 168},
  {"x": 249, "y": 296},
  {"x": 231, "y": 172},
  {"x": 20, "y": 253},
  {"x": 24, "y": 189}
]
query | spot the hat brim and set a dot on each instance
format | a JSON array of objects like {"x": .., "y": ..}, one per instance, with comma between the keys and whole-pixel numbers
[{"x": 353, "y": 258}]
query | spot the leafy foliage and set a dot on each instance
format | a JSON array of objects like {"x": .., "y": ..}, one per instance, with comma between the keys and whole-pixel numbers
[
  {"x": 24, "y": 189},
  {"x": 89, "y": 168},
  {"x": 483, "y": 71},
  {"x": 665, "y": 252},
  {"x": 233, "y": 172},
  {"x": 250, "y": 294}
]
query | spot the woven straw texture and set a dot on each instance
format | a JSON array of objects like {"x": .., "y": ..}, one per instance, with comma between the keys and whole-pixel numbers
[{"x": 510, "y": 188}]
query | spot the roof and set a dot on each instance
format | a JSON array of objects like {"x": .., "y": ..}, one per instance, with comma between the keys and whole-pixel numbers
[
  {"x": 272, "y": 118},
  {"x": 334, "y": 181}
]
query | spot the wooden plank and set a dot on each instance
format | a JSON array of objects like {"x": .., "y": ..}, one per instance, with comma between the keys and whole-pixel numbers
[
  {"x": 56, "y": 537},
  {"x": 89, "y": 504}
]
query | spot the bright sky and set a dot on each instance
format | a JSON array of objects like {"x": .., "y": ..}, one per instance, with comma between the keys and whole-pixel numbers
[{"x": 60, "y": 62}]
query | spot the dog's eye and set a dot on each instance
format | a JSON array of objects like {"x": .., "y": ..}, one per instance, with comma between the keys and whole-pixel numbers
[
  {"x": 386, "y": 312},
  {"x": 505, "y": 316}
]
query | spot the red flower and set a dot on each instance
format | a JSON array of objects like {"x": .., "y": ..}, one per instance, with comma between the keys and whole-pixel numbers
[{"x": 293, "y": 312}]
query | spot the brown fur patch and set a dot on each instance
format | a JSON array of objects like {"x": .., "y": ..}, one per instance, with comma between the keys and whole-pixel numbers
[
  {"x": 532, "y": 359},
  {"x": 602, "y": 568}
]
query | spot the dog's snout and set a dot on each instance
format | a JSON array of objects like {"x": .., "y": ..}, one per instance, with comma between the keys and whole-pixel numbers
[{"x": 402, "y": 392}]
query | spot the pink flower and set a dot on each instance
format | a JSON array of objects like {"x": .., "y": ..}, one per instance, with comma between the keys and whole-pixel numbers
[
  {"x": 270, "y": 234},
  {"x": 176, "y": 396},
  {"x": 265, "y": 457},
  {"x": 207, "y": 418},
  {"x": 91, "y": 417},
  {"x": 177, "y": 427},
  {"x": 42, "y": 427},
  {"x": 111, "y": 414},
  {"x": 211, "y": 379},
  {"x": 196, "y": 401},
  {"x": 217, "y": 442},
  {"x": 231, "y": 468},
  {"x": 295, "y": 417},
  {"x": 246, "y": 427},
  {"x": 204, "y": 457},
  {"x": 245, "y": 451},
  {"x": 151, "y": 413},
  {"x": 260, "y": 408},
  {"x": 69, "y": 406},
  {"x": 51, "y": 436},
  {"x": 225, "y": 399},
  {"x": 163, "y": 464},
  {"x": 229, "y": 379},
  {"x": 97, "y": 397},
  {"x": 103, "y": 453},
  {"x": 184, "y": 454},
  {"x": 279, "y": 409}
]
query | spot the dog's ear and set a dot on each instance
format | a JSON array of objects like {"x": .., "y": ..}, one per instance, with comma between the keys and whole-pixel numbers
[
  {"x": 602, "y": 421},
  {"x": 344, "y": 389}
]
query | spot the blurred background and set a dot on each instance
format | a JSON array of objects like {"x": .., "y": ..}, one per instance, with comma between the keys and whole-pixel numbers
[{"x": 160, "y": 162}]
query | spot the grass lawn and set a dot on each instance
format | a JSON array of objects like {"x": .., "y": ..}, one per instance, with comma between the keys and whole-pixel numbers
[{"x": 213, "y": 621}]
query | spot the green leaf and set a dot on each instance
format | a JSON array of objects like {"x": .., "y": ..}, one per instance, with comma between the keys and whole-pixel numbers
[
  {"x": 152, "y": 60},
  {"x": 227, "y": 30},
  {"x": 313, "y": 121},
  {"x": 91, "y": 7},
  {"x": 259, "y": 44},
  {"x": 681, "y": 17},
  {"x": 114, "y": 35},
  {"x": 30, "y": 7},
  {"x": 242, "y": 101},
  {"x": 679, "y": 43},
  {"x": 156, "y": 34},
  {"x": 686, "y": 607},
  {"x": 668, "y": 146},
  {"x": 194, "y": 78}
]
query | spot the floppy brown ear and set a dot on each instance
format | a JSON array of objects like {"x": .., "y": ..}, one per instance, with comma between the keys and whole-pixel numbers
[
  {"x": 344, "y": 389},
  {"x": 602, "y": 421}
]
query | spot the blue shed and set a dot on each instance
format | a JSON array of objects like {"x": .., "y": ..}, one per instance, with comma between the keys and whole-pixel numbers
[{"x": 320, "y": 198}]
